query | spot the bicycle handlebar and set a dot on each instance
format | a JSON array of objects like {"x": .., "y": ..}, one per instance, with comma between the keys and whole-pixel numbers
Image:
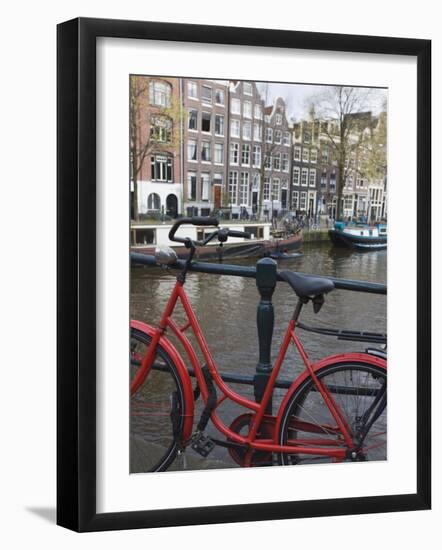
[{"x": 196, "y": 220}]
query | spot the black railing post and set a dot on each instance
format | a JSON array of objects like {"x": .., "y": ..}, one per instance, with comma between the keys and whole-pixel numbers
[{"x": 266, "y": 282}]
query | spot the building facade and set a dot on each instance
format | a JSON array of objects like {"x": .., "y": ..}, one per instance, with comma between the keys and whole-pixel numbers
[
  {"x": 156, "y": 174},
  {"x": 205, "y": 138}
]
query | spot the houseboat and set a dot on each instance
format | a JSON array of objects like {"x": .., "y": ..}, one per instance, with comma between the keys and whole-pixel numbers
[
  {"x": 145, "y": 237},
  {"x": 359, "y": 236}
]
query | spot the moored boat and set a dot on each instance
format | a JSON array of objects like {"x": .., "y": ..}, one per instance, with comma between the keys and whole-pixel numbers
[
  {"x": 145, "y": 237},
  {"x": 361, "y": 237}
]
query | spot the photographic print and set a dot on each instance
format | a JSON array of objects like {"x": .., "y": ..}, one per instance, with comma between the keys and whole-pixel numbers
[{"x": 258, "y": 239}]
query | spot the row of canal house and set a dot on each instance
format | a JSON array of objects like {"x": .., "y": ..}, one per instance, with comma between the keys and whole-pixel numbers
[
  {"x": 315, "y": 175},
  {"x": 217, "y": 144}
]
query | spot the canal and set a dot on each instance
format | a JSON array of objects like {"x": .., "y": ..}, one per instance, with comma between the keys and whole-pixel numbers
[{"x": 226, "y": 309}]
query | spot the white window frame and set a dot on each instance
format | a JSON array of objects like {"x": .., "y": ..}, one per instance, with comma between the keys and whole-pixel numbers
[
  {"x": 244, "y": 189},
  {"x": 205, "y": 186},
  {"x": 277, "y": 162},
  {"x": 269, "y": 135},
  {"x": 312, "y": 177},
  {"x": 222, "y": 118},
  {"x": 247, "y": 135},
  {"x": 276, "y": 189},
  {"x": 257, "y": 131},
  {"x": 256, "y": 161},
  {"x": 297, "y": 154},
  {"x": 304, "y": 177},
  {"x": 209, "y": 149},
  {"x": 285, "y": 162},
  {"x": 216, "y": 149},
  {"x": 223, "y": 94},
  {"x": 235, "y": 124},
  {"x": 234, "y": 151},
  {"x": 305, "y": 154},
  {"x": 247, "y": 109},
  {"x": 245, "y": 154},
  {"x": 233, "y": 187},
  {"x": 247, "y": 88},
  {"x": 235, "y": 102},
  {"x": 296, "y": 176},
  {"x": 257, "y": 111},
  {"x": 190, "y": 85},
  {"x": 204, "y": 100}
]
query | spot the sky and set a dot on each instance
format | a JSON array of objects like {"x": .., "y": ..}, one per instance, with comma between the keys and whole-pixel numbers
[{"x": 298, "y": 97}]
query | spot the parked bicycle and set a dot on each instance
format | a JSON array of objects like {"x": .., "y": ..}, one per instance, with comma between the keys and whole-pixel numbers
[{"x": 334, "y": 411}]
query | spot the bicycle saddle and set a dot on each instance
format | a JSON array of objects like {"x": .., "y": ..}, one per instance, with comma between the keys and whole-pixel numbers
[{"x": 305, "y": 286}]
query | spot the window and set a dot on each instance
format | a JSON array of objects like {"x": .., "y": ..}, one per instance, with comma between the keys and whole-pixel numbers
[
  {"x": 333, "y": 181},
  {"x": 219, "y": 97},
  {"x": 257, "y": 132},
  {"x": 268, "y": 162},
  {"x": 305, "y": 154},
  {"x": 269, "y": 135},
  {"x": 256, "y": 155},
  {"x": 256, "y": 180},
  {"x": 160, "y": 93},
  {"x": 247, "y": 109},
  {"x": 191, "y": 186},
  {"x": 245, "y": 157},
  {"x": 297, "y": 153},
  {"x": 205, "y": 186},
  {"x": 248, "y": 89},
  {"x": 324, "y": 179},
  {"x": 304, "y": 176},
  {"x": 313, "y": 155},
  {"x": 206, "y": 151},
  {"x": 266, "y": 189},
  {"x": 161, "y": 129},
  {"x": 303, "y": 202},
  {"x": 295, "y": 200},
  {"x": 244, "y": 189},
  {"x": 161, "y": 167},
  {"x": 278, "y": 118},
  {"x": 285, "y": 162},
  {"x": 296, "y": 175},
  {"x": 192, "y": 90},
  {"x": 206, "y": 94},
  {"x": 193, "y": 119},
  {"x": 286, "y": 140},
  {"x": 217, "y": 179},
  {"x": 277, "y": 161},
  {"x": 235, "y": 106},
  {"x": 205, "y": 122},
  {"x": 275, "y": 189},
  {"x": 278, "y": 136},
  {"x": 312, "y": 178},
  {"x": 306, "y": 137},
  {"x": 219, "y": 153},
  {"x": 234, "y": 153},
  {"x": 234, "y": 128},
  {"x": 258, "y": 111},
  {"x": 219, "y": 125},
  {"x": 153, "y": 202},
  {"x": 247, "y": 130},
  {"x": 233, "y": 187},
  {"x": 192, "y": 150},
  {"x": 325, "y": 154}
]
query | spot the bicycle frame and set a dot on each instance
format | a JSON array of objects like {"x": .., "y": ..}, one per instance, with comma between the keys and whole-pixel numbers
[{"x": 251, "y": 441}]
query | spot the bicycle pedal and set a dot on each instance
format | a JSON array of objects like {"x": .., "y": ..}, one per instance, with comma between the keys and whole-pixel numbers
[{"x": 203, "y": 445}]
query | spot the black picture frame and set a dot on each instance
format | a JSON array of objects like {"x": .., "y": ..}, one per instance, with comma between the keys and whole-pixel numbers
[{"x": 76, "y": 273}]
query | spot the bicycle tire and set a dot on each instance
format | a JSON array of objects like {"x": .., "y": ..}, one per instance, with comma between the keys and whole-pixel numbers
[
  {"x": 156, "y": 410},
  {"x": 306, "y": 404}
]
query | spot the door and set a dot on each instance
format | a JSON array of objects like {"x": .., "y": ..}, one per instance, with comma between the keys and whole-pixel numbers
[
  {"x": 217, "y": 197},
  {"x": 172, "y": 206}
]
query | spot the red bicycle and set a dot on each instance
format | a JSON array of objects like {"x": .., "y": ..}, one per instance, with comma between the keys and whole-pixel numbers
[{"x": 335, "y": 410}]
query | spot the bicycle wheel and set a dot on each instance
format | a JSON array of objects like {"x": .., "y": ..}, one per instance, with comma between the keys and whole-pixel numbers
[
  {"x": 156, "y": 409},
  {"x": 360, "y": 391}
]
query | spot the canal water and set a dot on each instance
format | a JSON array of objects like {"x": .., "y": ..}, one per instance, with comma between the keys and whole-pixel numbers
[{"x": 226, "y": 309}]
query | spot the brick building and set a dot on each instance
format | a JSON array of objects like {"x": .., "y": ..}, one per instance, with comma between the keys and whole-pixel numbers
[
  {"x": 159, "y": 174},
  {"x": 205, "y": 134}
]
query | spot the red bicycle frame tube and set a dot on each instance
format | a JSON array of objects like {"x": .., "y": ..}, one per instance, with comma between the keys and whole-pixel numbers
[{"x": 251, "y": 441}]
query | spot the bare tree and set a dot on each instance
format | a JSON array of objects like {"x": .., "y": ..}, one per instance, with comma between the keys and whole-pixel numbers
[
  {"x": 152, "y": 129},
  {"x": 344, "y": 114}
]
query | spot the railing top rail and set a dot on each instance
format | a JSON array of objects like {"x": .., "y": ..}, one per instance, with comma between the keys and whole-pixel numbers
[{"x": 250, "y": 272}]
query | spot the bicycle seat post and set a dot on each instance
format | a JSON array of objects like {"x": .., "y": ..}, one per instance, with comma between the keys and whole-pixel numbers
[{"x": 266, "y": 283}]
